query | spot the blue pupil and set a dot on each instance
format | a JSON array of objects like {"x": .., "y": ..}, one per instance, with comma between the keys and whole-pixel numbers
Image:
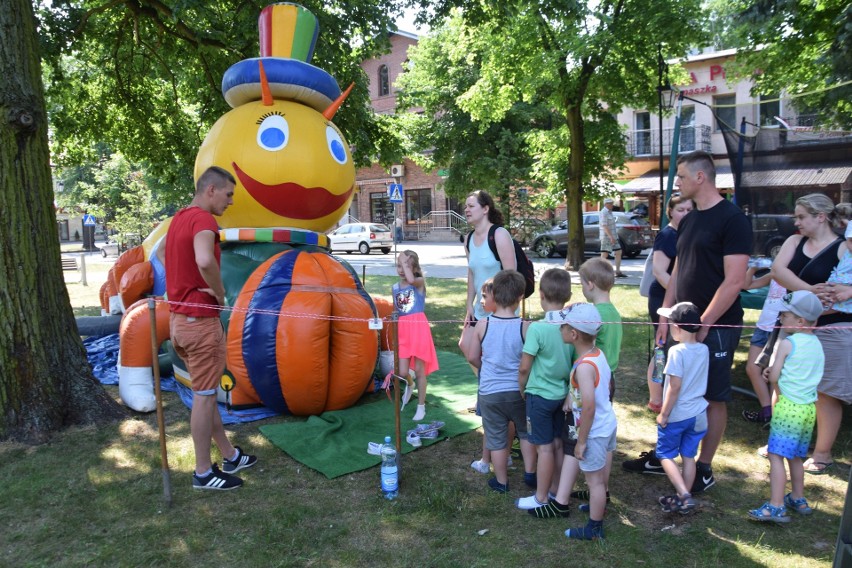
[
  {"x": 338, "y": 151},
  {"x": 272, "y": 137}
]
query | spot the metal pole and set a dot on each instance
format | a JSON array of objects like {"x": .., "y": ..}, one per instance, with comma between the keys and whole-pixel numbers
[
  {"x": 161, "y": 423},
  {"x": 660, "y": 64},
  {"x": 673, "y": 156},
  {"x": 83, "y": 270}
]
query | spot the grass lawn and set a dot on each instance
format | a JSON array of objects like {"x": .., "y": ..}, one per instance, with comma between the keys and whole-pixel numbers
[{"x": 94, "y": 496}]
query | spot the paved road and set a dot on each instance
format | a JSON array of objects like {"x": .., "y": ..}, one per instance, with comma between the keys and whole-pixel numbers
[{"x": 447, "y": 260}]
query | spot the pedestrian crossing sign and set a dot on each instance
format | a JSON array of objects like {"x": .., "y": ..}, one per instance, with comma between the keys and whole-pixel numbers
[
  {"x": 88, "y": 221},
  {"x": 395, "y": 193}
]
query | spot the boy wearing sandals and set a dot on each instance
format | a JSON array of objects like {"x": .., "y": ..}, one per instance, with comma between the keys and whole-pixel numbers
[
  {"x": 682, "y": 422},
  {"x": 795, "y": 369},
  {"x": 594, "y": 430}
]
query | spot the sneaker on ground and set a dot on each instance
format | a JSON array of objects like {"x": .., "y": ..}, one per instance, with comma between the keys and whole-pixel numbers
[
  {"x": 583, "y": 494},
  {"x": 242, "y": 461},
  {"x": 647, "y": 462},
  {"x": 497, "y": 486},
  {"x": 552, "y": 510},
  {"x": 480, "y": 466},
  {"x": 216, "y": 480},
  {"x": 413, "y": 439},
  {"x": 704, "y": 480},
  {"x": 527, "y": 503}
]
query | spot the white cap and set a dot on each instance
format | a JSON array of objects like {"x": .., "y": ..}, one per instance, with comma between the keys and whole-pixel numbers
[
  {"x": 802, "y": 303},
  {"x": 581, "y": 316}
]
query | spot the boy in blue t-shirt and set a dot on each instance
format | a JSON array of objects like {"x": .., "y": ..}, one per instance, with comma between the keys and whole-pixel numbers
[
  {"x": 542, "y": 378},
  {"x": 682, "y": 421}
]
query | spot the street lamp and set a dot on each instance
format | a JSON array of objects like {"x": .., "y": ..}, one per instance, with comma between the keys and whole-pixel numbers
[{"x": 666, "y": 97}]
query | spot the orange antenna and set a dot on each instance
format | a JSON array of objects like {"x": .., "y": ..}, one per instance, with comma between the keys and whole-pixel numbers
[
  {"x": 333, "y": 107},
  {"x": 264, "y": 86}
]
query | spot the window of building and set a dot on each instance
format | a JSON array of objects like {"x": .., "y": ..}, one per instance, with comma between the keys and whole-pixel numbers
[
  {"x": 687, "y": 128},
  {"x": 418, "y": 203},
  {"x": 725, "y": 111},
  {"x": 384, "y": 81},
  {"x": 770, "y": 107},
  {"x": 381, "y": 209},
  {"x": 643, "y": 133}
]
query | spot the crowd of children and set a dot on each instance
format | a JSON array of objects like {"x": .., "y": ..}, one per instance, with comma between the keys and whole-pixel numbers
[{"x": 552, "y": 383}]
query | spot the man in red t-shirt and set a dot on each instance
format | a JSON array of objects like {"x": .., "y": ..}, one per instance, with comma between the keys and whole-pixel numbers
[{"x": 196, "y": 292}]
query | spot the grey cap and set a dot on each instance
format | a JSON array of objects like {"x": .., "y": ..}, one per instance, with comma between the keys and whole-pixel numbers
[{"x": 803, "y": 303}]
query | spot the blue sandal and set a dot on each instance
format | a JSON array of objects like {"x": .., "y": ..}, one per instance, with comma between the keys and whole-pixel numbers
[
  {"x": 799, "y": 505},
  {"x": 769, "y": 513}
]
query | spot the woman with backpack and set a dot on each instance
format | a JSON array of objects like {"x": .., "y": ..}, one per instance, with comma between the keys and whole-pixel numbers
[{"x": 481, "y": 212}]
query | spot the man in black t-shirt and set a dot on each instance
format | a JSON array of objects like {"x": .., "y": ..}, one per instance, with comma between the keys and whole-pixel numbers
[{"x": 714, "y": 243}]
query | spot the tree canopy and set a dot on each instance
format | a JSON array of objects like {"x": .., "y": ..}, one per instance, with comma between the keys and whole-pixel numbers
[
  {"x": 584, "y": 61},
  {"x": 144, "y": 76},
  {"x": 796, "y": 46}
]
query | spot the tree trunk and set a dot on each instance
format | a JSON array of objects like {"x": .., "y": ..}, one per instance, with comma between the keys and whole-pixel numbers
[
  {"x": 45, "y": 380},
  {"x": 574, "y": 189}
]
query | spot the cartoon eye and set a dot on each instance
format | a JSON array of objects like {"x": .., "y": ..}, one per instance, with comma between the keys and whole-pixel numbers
[
  {"x": 335, "y": 145},
  {"x": 274, "y": 133}
]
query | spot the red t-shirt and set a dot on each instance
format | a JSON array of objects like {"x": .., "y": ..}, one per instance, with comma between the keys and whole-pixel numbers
[{"x": 183, "y": 279}]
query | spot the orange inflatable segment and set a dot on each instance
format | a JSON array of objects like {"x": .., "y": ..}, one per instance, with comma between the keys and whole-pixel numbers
[
  {"x": 135, "y": 333},
  {"x": 125, "y": 261},
  {"x": 384, "y": 309},
  {"x": 353, "y": 353},
  {"x": 302, "y": 352},
  {"x": 136, "y": 282},
  {"x": 104, "y": 295}
]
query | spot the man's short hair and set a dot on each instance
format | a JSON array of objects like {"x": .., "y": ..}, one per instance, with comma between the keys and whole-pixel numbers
[
  {"x": 555, "y": 285},
  {"x": 509, "y": 288},
  {"x": 216, "y": 176},
  {"x": 599, "y": 272},
  {"x": 699, "y": 160}
]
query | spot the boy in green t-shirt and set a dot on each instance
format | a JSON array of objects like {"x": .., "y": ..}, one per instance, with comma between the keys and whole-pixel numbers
[{"x": 542, "y": 378}]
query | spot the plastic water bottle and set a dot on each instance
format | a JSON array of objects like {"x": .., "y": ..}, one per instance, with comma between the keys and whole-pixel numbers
[
  {"x": 659, "y": 364},
  {"x": 390, "y": 473}
]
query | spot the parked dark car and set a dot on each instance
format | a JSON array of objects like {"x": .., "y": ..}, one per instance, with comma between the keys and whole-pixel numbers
[
  {"x": 524, "y": 230},
  {"x": 770, "y": 232},
  {"x": 634, "y": 234}
]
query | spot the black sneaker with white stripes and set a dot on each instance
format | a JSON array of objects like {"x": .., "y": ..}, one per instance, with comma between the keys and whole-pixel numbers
[
  {"x": 242, "y": 461},
  {"x": 216, "y": 480},
  {"x": 647, "y": 462}
]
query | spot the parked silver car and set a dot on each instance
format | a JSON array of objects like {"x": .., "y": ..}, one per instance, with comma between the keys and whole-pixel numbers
[
  {"x": 361, "y": 237},
  {"x": 634, "y": 234}
]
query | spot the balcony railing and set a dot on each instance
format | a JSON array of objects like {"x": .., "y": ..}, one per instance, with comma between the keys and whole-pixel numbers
[{"x": 647, "y": 142}]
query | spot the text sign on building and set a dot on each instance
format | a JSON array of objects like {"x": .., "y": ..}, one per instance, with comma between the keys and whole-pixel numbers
[
  {"x": 88, "y": 221},
  {"x": 395, "y": 193}
]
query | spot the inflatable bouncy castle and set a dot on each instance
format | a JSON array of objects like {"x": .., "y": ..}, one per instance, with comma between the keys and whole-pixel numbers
[{"x": 296, "y": 322}]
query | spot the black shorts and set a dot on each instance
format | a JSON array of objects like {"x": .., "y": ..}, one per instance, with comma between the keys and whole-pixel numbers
[{"x": 722, "y": 343}]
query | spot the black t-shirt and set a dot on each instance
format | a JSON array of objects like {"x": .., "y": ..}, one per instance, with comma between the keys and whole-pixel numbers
[
  {"x": 666, "y": 242},
  {"x": 704, "y": 239}
]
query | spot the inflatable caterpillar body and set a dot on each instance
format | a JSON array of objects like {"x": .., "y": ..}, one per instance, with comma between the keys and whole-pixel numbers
[{"x": 298, "y": 341}]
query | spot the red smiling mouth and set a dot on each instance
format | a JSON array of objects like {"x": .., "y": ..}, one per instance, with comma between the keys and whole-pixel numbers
[{"x": 291, "y": 199}]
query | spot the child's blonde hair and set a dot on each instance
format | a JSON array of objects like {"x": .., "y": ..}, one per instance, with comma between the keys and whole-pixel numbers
[
  {"x": 599, "y": 272},
  {"x": 415, "y": 262},
  {"x": 555, "y": 285}
]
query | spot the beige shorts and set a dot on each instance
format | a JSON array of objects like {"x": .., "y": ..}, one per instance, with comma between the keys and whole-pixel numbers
[{"x": 200, "y": 342}]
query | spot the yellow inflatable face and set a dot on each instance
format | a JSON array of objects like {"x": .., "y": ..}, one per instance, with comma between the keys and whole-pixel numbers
[{"x": 293, "y": 167}]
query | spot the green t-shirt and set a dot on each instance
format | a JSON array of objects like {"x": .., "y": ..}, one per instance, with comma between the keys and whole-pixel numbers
[
  {"x": 552, "y": 364},
  {"x": 609, "y": 336}
]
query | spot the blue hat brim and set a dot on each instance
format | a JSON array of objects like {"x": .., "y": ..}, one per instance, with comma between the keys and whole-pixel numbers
[{"x": 289, "y": 79}]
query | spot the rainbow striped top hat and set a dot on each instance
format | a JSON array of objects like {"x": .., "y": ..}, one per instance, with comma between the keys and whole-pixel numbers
[{"x": 288, "y": 35}]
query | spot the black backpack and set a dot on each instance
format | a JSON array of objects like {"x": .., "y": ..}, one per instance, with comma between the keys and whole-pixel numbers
[{"x": 525, "y": 265}]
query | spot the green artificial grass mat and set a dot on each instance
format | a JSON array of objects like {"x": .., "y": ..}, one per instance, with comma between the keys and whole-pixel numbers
[{"x": 335, "y": 443}]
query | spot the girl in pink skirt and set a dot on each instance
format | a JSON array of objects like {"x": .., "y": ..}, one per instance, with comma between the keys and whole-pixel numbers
[{"x": 415, "y": 337}]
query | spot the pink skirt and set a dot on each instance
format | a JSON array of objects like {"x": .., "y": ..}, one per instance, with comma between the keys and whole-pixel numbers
[{"x": 415, "y": 341}]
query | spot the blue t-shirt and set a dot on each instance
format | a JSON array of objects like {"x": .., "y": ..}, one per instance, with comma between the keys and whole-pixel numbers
[{"x": 408, "y": 300}]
